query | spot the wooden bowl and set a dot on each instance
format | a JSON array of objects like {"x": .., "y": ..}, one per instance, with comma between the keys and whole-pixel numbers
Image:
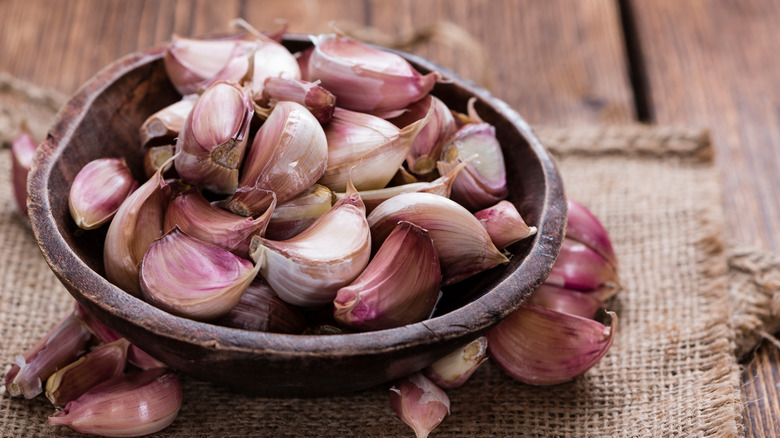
[{"x": 102, "y": 120}]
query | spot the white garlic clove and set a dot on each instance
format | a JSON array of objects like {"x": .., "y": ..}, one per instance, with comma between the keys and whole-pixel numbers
[
  {"x": 319, "y": 101},
  {"x": 581, "y": 268},
  {"x": 454, "y": 369},
  {"x": 98, "y": 190},
  {"x": 164, "y": 126},
  {"x": 427, "y": 147},
  {"x": 23, "y": 149},
  {"x": 295, "y": 215},
  {"x": 419, "y": 403},
  {"x": 504, "y": 224},
  {"x": 583, "y": 226}
]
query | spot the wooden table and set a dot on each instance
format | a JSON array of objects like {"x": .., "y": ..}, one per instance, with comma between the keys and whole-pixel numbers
[{"x": 705, "y": 63}]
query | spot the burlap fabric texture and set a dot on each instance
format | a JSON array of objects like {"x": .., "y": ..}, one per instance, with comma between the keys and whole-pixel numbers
[{"x": 689, "y": 308}]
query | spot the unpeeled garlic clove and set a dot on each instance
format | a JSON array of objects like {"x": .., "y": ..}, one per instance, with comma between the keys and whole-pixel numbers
[
  {"x": 157, "y": 156},
  {"x": 260, "y": 309},
  {"x": 102, "y": 363},
  {"x": 419, "y": 403},
  {"x": 363, "y": 78},
  {"x": 133, "y": 404},
  {"x": 462, "y": 243},
  {"x": 583, "y": 226},
  {"x": 23, "y": 149},
  {"x": 308, "y": 269},
  {"x": 214, "y": 136},
  {"x": 454, "y": 369},
  {"x": 98, "y": 190},
  {"x": 191, "y": 278},
  {"x": 164, "y": 126},
  {"x": 504, "y": 224},
  {"x": 399, "y": 286},
  {"x": 427, "y": 147},
  {"x": 190, "y": 61},
  {"x": 581, "y": 268},
  {"x": 561, "y": 299},
  {"x": 316, "y": 99},
  {"x": 295, "y": 215},
  {"x": 540, "y": 346}
]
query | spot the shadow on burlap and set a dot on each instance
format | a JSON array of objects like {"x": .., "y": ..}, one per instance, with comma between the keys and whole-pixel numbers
[{"x": 688, "y": 310}]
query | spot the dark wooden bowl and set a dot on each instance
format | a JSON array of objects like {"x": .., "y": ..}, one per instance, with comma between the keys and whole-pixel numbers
[{"x": 102, "y": 120}]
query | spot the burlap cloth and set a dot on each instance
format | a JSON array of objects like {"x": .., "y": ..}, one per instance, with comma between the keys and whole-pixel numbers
[{"x": 691, "y": 306}]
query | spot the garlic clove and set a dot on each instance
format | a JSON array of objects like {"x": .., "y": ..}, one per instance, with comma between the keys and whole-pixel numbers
[
  {"x": 133, "y": 404},
  {"x": 164, "y": 126},
  {"x": 504, "y": 224},
  {"x": 189, "y": 61},
  {"x": 196, "y": 217},
  {"x": 211, "y": 145},
  {"x": 419, "y": 403},
  {"x": 581, "y": 268},
  {"x": 308, "y": 269},
  {"x": 102, "y": 363},
  {"x": 403, "y": 176},
  {"x": 260, "y": 309},
  {"x": 191, "y": 278},
  {"x": 295, "y": 215},
  {"x": 540, "y": 346},
  {"x": 583, "y": 226},
  {"x": 462, "y": 243},
  {"x": 561, "y": 299},
  {"x": 427, "y": 147},
  {"x": 23, "y": 149},
  {"x": 313, "y": 97},
  {"x": 157, "y": 156},
  {"x": 363, "y": 78},
  {"x": 454, "y": 369},
  {"x": 483, "y": 183},
  {"x": 143, "y": 360},
  {"x": 98, "y": 190},
  {"x": 288, "y": 155},
  {"x": 399, "y": 286}
]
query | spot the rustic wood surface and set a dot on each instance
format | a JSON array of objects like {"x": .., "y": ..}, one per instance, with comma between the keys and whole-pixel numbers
[{"x": 702, "y": 63}]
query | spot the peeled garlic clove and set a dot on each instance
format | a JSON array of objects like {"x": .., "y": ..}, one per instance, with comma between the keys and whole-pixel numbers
[
  {"x": 419, "y": 403},
  {"x": 191, "y": 278},
  {"x": 189, "y": 61},
  {"x": 295, "y": 215},
  {"x": 583, "y": 226},
  {"x": 66, "y": 342},
  {"x": 427, "y": 147},
  {"x": 98, "y": 190},
  {"x": 22, "y": 150},
  {"x": 260, "y": 309},
  {"x": 196, "y": 217},
  {"x": 463, "y": 245},
  {"x": 164, "y": 126},
  {"x": 288, "y": 155},
  {"x": 581, "y": 268},
  {"x": 399, "y": 286},
  {"x": 100, "y": 364},
  {"x": 504, "y": 224},
  {"x": 156, "y": 156},
  {"x": 133, "y": 404},
  {"x": 540, "y": 346},
  {"x": 213, "y": 138},
  {"x": 454, "y": 369},
  {"x": 308, "y": 269},
  {"x": 565, "y": 300},
  {"x": 483, "y": 182},
  {"x": 316, "y": 99},
  {"x": 363, "y": 78}
]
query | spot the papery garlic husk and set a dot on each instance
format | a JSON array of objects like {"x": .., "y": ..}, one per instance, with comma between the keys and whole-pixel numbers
[
  {"x": 61, "y": 346},
  {"x": 137, "y": 223},
  {"x": 22, "y": 151},
  {"x": 191, "y": 278},
  {"x": 419, "y": 403},
  {"x": 157, "y": 156},
  {"x": 212, "y": 142},
  {"x": 98, "y": 190},
  {"x": 581, "y": 268},
  {"x": 366, "y": 149},
  {"x": 583, "y": 226},
  {"x": 316, "y": 99},
  {"x": 190, "y": 61},
  {"x": 561, "y": 299},
  {"x": 310, "y": 268},
  {"x": 198, "y": 218},
  {"x": 295, "y": 215},
  {"x": 463, "y": 245},
  {"x": 364, "y": 78},
  {"x": 427, "y": 147},
  {"x": 504, "y": 224},
  {"x": 399, "y": 286},
  {"x": 164, "y": 126},
  {"x": 288, "y": 155},
  {"x": 483, "y": 183},
  {"x": 540, "y": 346},
  {"x": 454, "y": 369},
  {"x": 102, "y": 363},
  {"x": 260, "y": 309},
  {"x": 133, "y": 404}
]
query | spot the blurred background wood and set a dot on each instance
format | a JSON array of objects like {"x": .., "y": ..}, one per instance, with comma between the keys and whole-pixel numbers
[{"x": 702, "y": 63}]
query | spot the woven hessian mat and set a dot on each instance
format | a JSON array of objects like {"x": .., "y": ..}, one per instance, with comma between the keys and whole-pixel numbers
[{"x": 689, "y": 308}]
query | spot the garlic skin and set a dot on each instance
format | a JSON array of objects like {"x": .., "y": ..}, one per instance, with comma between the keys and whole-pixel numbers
[
  {"x": 504, "y": 224},
  {"x": 427, "y": 147},
  {"x": 308, "y": 269},
  {"x": 191, "y": 61},
  {"x": 157, "y": 156},
  {"x": 22, "y": 151},
  {"x": 98, "y": 190},
  {"x": 213, "y": 139},
  {"x": 260, "y": 309},
  {"x": 188, "y": 277},
  {"x": 295, "y": 215},
  {"x": 540, "y": 346},
  {"x": 462, "y": 244},
  {"x": 133, "y": 404},
  {"x": 399, "y": 286},
  {"x": 363, "y": 78},
  {"x": 319, "y": 101},
  {"x": 454, "y": 369},
  {"x": 163, "y": 126},
  {"x": 579, "y": 267},
  {"x": 583, "y": 226},
  {"x": 419, "y": 403},
  {"x": 585, "y": 304}
]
